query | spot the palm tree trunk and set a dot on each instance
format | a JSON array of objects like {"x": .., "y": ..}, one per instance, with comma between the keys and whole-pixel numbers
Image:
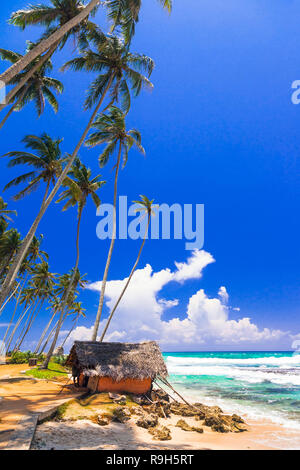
[
  {"x": 9, "y": 298},
  {"x": 34, "y": 314},
  {"x": 15, "y": 309},
  {"x": 65, "y": 301},
  {"x": 44, "y": 333},
  {"x": 127, "y": 283},
  {"x": 13, "y": 106},
  {"x": 14, "y": 269},
  {"x": 15, "y": 266},
  {"x": 49, "y": 337},
  {"x": 28, "y": 75},
  {"x": 70, "y": 331},
  {"x": 24, "y": 326},
  {"x": 16, "y": 327},
  {"x": 45, "y": 44},
  {"x": 103, "y": 285}
]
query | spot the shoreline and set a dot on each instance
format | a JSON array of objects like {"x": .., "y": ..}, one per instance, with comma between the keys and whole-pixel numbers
[{"x": 83, "y": 434}]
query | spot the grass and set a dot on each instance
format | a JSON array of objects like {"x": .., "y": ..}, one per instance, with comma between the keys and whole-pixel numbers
[
  {"x": 54, "y": 371},
  {"x": 89, "y": 407}
]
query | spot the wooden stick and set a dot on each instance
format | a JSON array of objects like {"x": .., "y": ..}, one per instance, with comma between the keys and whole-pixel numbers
[
  {"x": 172, "y": 388},
  {"x": 164, "y": 390}
]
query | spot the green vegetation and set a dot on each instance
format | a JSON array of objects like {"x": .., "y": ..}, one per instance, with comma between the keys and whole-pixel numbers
[
  {"x": 54, "y": 371},
  {"x": 19, "y": 357},
  {"x": 27, "y": 284}
]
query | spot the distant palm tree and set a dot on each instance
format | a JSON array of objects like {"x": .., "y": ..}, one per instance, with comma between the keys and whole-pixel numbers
[
  {"x": 4, "y": 212},
  {"x": 38, "y": 88},
  {"x": 53, "y": 17},
  {"x": 80, "y": 186},
  {"x": 41, "y": 285},
  {"x": 47, "y": 166},
  {"x": 10, "y": 242},
  {"x": 78, "y": 311},
  {"x": 111, "y": 129},
  {"x": 146, "y": 206}
]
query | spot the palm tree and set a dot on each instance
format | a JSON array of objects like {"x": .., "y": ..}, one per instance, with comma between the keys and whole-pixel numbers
[
  {"x": 126, "y": 14},
  {"x": 47, "y": 166},
  {"x": 4, "y": 212},
  {"x": 63, "y": 289},
  {"x": 146, "y": 206},
  {"x": 78, "y": 311},
  {"x": 111, "y": 129},
  {"x": 54, "y": 305},
  {"x": 110, "y": 57},
  {"x": 113, "y": 69},
  {"x": 38, "y": 87},
  {"x": 41, "y": 286},
  {"x": 54, "y": 38},
  {"x": 79, "y": 187},
  {"x": 52, "y": 17},
  {"x": 9, "y": 245}
]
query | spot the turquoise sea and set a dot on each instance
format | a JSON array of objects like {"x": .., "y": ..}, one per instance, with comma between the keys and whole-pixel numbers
[{"x": 258, "y": 385}]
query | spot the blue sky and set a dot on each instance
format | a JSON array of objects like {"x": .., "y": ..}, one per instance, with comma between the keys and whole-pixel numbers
[{"x": 220, "y": 129}]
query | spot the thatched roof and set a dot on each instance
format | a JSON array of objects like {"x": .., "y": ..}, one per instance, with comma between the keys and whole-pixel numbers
[{"x": 118, "y": 360}]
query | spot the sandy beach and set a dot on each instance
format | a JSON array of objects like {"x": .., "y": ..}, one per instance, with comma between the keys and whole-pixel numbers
[{"x": 86, "y": 435}]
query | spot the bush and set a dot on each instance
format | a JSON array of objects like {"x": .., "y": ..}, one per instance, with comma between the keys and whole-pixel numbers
[
  {"x": 19, "y": 357},
  {"x": 59, "y": 359}
]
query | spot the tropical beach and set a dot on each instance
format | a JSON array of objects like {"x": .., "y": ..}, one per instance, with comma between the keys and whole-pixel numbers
[{"x": 149, "y": 229}]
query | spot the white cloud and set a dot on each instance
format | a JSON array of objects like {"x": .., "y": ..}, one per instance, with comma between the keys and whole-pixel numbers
[
  {"x": 206, "y": 322},
  {"x": 223, "y": 294}
]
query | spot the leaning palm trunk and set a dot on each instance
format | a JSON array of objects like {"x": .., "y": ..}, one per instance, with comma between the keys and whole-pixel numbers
[
  {"x": 66, "y": 298},
  {"x": 127, "y": 283},
  {"x": 14, "y": 269},
  {"x": 16, "y": 327},
  {"x": 33, "y": 316},
  {"x": 70, "y": 331},
  {"x": 12, "y": 273},
  {"x": 15, "y": 309},
  {"x": 14, "y": 107},
  {"x": 103, "y": 285},
  {"x": 44, "y": 333},
  {"x": 9, "y": 298},
  {"x": 45, "y": 44},
  {"x": 49, "y": 337},
  {"x": 25, "y": 79}
]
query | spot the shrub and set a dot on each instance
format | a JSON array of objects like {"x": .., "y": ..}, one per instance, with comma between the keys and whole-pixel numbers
[
  {"x": 19, "y": 357},
  {"x": 59, "y": 359}
]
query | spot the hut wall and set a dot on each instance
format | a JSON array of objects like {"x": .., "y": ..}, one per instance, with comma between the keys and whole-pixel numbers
[{"x": 137, "y": 386}]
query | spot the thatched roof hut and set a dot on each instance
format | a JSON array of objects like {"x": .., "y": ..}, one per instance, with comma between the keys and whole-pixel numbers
[{"x": 117, "y": 366}]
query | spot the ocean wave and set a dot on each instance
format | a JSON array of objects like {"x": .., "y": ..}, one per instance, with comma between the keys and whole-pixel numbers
[
  {"x": 240, "y": 374},
  {"x": 283, "y": 361}
]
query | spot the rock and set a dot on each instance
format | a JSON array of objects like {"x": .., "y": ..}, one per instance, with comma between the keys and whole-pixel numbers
[
  {"x": 220, "y": 427},
  {"x": 120, "y": 399},
  {"x": 147, "y": 421},
  {"x": 237, "y": 419},
  {"x": 161, "y": 409},
  {"x": 186, "y": 427},
  {"x": 137, "y": 399},
  {"x": 159, "y": 395},
  {"x": 137, "y": 410},
  {"x": 160, "y": 433},
  {"x": 102, "y": 420},
  {"x": 182, "y": 409},
  {"x": 121, "y": 414},
  {"x": 183, "y": 425}
]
